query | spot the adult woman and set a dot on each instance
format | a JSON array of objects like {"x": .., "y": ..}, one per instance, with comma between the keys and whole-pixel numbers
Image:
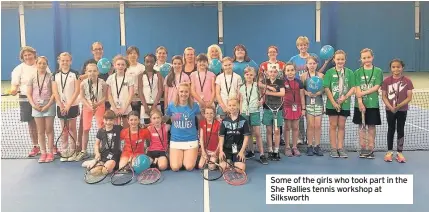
[{"x": 189, "y": 60}]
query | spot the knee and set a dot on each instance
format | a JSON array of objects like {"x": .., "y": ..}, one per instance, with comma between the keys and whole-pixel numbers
[
  {"x": 189, "y": 167},
  {"x": 175, "y": 168},
  {"x": 295, "y": 127}
]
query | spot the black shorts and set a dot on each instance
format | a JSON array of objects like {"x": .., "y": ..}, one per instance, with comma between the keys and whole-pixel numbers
[
  {"x": 107, "y": 105},
  {"x": 116, "y": 157},
  {"x": 372, "y": 116},
  {"x": 73, "y": 112},
  {"x": 231, "y": 156},
  {"x": 156, "y": 154},
  {"x": 25, "y": 110},
  {"x": 333, "y": 112},
  {"x": 136, "y": 106}
]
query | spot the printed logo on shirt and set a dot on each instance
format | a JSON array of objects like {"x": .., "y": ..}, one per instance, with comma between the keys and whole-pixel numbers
[{"x": 181, "y": 120}]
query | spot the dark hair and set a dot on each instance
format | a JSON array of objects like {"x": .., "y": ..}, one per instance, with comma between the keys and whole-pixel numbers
[
  {"x": 171, "y": 77},
  {"x": 133, "y": 113},
  {"x": 202, "y": 57},
  {"x": 246, "y": 56},
  {"x": 149, "y": 55},
  {"x": 109, "y": 115},
  {"x": 397, "y": 60},
  {"x": 133, "y": 48}
]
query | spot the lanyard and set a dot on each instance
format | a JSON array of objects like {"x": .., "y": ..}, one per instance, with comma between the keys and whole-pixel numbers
[
  {"x": 199, "y": 79},
  {"x": 63, "y": 85},
  {"x": 122, "y": 84},
  {"x": 180, "y": 80},
  {"x": 226, "y": 84},
  {"x": 207, "y": 142},
  {"x": 250, "y": 95},
  {"x": 293, "y": 92},
  {"x": 43, "y": 82},
  {"x": 150, "y": 83},
  {"x": 93, "y": 96},
  {"x": 372, "y": 73},
  {"x": 138, "y": 138},
  {"x": 342, "y": 74},
  {"x": 161, "y": 139}
]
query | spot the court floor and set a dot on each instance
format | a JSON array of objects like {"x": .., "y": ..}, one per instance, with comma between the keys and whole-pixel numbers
[{"x": 29, "y": 186}]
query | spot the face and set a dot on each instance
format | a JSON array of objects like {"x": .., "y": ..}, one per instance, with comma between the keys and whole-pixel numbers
[
  {"x": 272, "y": 53},
  {"x": 396, "y": 68},
  {"x": 64, "y": 61},
  {"x": 161, "y": 55},
  {"x": 92, "y": 71},
  {"x": 28, "y": 57},
  {"x": 108, "y": 122},
  {"x": 133, "y": 56},
  {"x": 272, "y": 73},
  {"x": 202, "y": 65},
  {"x": 290, "y": 71},
  {"x": 189, "y": 56},
  {"x": 42, "y": 64},
  {"x": 366, "y": 58},
  {"x": 302, "y": 47},
  {"x": 120, "y": 65},
  {"x": 214, "y": 53},
  {"x": 340, "y": 60},
  {"x": 183, "y": 93},
  {"x": 311, "y": 65},
  {"x": 249, "y": 76},
  {"x": 240, "y": 53},
  {"x": 209, "y": 114},
  {"x": 227, "y": 66},
  {"x": 233, "y": 106},
  {"x": 177, "y": 65},
  {"x": 133, "y": 121},
  {"x": 155, "y": 119},
  {"x": 97, "y": 50},
  {"x": 149, "y": 62}
]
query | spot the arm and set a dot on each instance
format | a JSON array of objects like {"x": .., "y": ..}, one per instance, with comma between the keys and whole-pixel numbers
[
  {"x": 278, "y": 94},
  {"x": 219, "y": 98},
  {"x": 302, "y": 96},
  {"x": 386, "y": 100},
  {"x": 166, "y": 96},
  {"x": 160, "y": 88},
  {"x": 140, "y": 91},
  {"x": 82, "y": 94},
  {"x": 111, "y": 100},
  {"x": 407, "y": 100},
  {"x": 130, "y": 97},
  {"x": 203, "y": 148},
  {"x": 30, "y": 97},
  {"x": 104, "y": 97},
  {"x": 97, "y": 149},
  {"x": 56, "y": 95},
  {"x": 213, "y": 94},
  {"x": 370, "y": 91},
  {"x": 75, "y": 94}
]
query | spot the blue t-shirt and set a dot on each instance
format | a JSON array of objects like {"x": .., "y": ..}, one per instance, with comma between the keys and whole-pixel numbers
[
  {"x": 301, "y": 63},
  {"x": 183, "y": 126},
  {"x": 238, "y": 67}
]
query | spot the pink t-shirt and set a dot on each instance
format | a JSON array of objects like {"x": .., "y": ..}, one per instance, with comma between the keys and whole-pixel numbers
[
  {"x": 392, "y": 86},
  {"x": 41, "y": 88},
  {"x": 172, "y": 91},
  {"x": 197, "y": 80},
  {"x": 158, "y": 136}
]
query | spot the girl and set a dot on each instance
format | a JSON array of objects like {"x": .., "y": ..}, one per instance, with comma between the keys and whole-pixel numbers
[
  {"x": 226, "y": 86},
  {"x": 150, "y": 88},
  {"x": 368, "y": 81},
  {"x": 134, "y": 138},
  {"x": 272, "y": 62},
  {"x": 66, "y": 89},
  {"x": 339, "y": 84},
  {"x": 40, "y": 97},
  {"x": 133, "y": 72},
  {"x": 314, "y": 105},
  {"x": 249, "y": 101},
  {"x": 184, "y": 138},
  {"x": 161, "y": 59},
  {"x": 241, "y": 60},
  {"x": 209, "y": 137},
  {"x": 203, "y": 83},
  {"x": 157, "y": 151},
  {"x": 93, "y": 92},
  {"x": 214, "y": 52},
  {"x": 189, "y": 60},
  {"x": 174, "y": 79},
  {"x": 293, "y": 109},
  {"x": 120, "y": 89},
  {"x": 397, "y": 93}
]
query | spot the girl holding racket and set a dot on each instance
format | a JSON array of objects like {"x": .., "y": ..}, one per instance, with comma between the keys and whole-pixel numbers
[
  {"x": 158, "y": 148},
  {"x": 39, "y": 93},
  {"x": 293, "y": 110},
  {"x": 368, "y": 82},
  {"x": 120, "y": 90},
  {"x": 397, "y": 93},
  {"x": 250, "y": 103},
  {"x": 135, "y": 69},
  {"x": 314, "y": 106},
  {"x": 209, "y": 137},
  {"x": 203, "y": 83},
  {"x": 184, "y": 139},
  {"x": 227, "y": 84},
  {"x": 174, "y": 79},
  {"x": 339, "y": 84},
  {"x": 66, "y": 89}
]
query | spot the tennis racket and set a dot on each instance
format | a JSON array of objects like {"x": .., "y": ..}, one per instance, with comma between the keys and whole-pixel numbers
[
  {"x": 125, "y": 174},
  {"x": 8, "y": 93},
  {"x": 233, "y": 175},
  {"x": 363, "y": 130},
  {"x": 211, "y": 170},
  {"x": 66, "y": 151},
  {"x": 97, "y": 173},
  {"x": 275, "y": 104}
]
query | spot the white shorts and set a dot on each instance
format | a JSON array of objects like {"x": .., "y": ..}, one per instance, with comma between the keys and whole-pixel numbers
[{"x": 183, "y": 145}]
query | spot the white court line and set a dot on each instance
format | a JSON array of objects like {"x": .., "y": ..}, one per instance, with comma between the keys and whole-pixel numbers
[
  {"x": 206, "y": 192},
  {"x": 422, "y": 128}
]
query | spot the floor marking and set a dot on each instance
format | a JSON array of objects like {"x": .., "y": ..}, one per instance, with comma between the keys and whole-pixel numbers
[
  {"x": 422, "y": 128},
  {"x": 206, "y": 192}
]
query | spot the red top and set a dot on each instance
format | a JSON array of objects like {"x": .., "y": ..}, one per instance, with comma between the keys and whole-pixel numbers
[
  {"x": 397, "y": 90},
  {"x": 157, "y": 136},
  {"x": 280, "y": 65},
  {"x": 143, "y": 135},
  {"x": 292, "y": 95},
  {"x": 212, "y": 133}
]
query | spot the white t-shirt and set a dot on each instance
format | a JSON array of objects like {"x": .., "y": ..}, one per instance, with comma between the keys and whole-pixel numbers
[
  {"x": 66, "y": 84},
  {"x": 99, "y": 94},
  {"x": 233, "y": 89},
  {"x": 114, "y": 82},
  {"x": 42, "y": 88},
  {"x": 22, "y": 74},
  {"x": 133, "y": 72},
  {"x": 150, "y": 87}
]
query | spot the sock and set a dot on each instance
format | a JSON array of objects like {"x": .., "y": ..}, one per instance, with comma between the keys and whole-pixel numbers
[
  {"x": 270, "y": 149},
  {"x": 276, "y": 150}
]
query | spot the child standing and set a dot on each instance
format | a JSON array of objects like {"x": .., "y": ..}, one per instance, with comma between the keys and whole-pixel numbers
[
  {"x": 203, "y": 83},
  {"x": 158, "y": 148},
  {"x": 368, "y": 81},
  {"x": 133, "y": 72},
  {"x": 226, "y": 86},
  {"x": 397, "y": 93},
  {"x": 174, "y": 79}
]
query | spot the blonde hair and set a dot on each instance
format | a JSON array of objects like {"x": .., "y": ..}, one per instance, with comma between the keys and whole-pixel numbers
[
  {"x": 217, "y": 48},
  {"x": 302, "y": 40},
  {"x": 249, "y": 69},
  {"x": 42, "y": 57},
  {"x": 184, "y": 51},
  {"x": 64, "y": 54},
  {"x": 340, "y": 52},
  {"x": 210, "y": 108},
  {"x": 91, "y": 64},
  {"x": 120, "y": 57},
  {"x": 27, "y": 49},
  {"x": 96, "y": 43},
  {"x": 155, "y": 111},
  {"x": 227, "y": 59},
  {"x": 190, "y": 100},
  {"x": 161, "y": 48},
  {"x": 233, "y": 99},
  {"x": 367, "y": 50}
]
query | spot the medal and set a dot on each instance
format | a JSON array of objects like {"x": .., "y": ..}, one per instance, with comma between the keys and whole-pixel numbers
[{"x": 294, "y": 108}]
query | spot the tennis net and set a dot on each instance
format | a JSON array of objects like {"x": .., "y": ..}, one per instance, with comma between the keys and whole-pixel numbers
[{"x": 16, "y": 142}]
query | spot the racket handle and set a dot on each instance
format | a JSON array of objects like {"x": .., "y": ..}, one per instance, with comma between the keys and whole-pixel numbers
[
  {"x": 275, "y": 123},
  {"x": 363, "y": 117}
]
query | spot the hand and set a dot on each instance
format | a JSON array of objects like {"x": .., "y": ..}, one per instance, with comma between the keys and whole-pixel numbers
[
  {"x": 261, "y": 102},
  {"x": 44, "y": 109},
  {"x": 13, "y": 92},
  {"x": 224, "y": 108},
  {"x": 337, "y": 106},
  {"x": 303, "y": 112},
  {"x": 222, "y": 156},
  {"x": 393, "y": 109},
  {"x": 241, "y": 157},
  {"x": 37, "y": 107},
  {"x": 362, "y": 107},
  {"x": 360, "y": 94},
  {"x": 147, "y": 110},
  {"x": 341, "y": 100},
  {"x": 204, "y": 154},
  {"x": 209, "y": 103},
  {"x": 97, "y": 156},
  {"x": 271, "y": 88}
]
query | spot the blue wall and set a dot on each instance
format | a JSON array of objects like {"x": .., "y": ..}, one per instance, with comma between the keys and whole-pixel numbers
[{"x": 350, "y": 26}]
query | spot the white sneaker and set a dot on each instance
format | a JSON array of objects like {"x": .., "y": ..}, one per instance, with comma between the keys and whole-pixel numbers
[
  {"x": 81, "y": 155},
  {"x": 73, "y": 157}
]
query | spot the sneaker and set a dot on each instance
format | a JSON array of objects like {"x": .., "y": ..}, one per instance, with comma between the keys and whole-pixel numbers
[
  {"x": 270, "y": 156},
  {"x": 55, "y": 151},
  {"x": 34, "y": 152},
  {"x": 334, "y": 153},
  {"x": 310, "y": 151},
  {"x": 300, "y": 141},
  {"x": 81, "y": 155},
  {"x": 318, "y": 151},
  {"x": 370, "y": 155},
  {"x": 282, "y": 142},
  {"x": 363, "y": 153},
  {"x": 276, "y": 156},
  {"x": 342, "y": 153},
  {"x": 49, "y": 157},
  {"x": 296, "y": 152},
  {"x": 73, "y": 157},
  {"x": 263, "y": 159},
  {"x": 250, "y": 155},
  {"x": 388, "y": 156},
  {"x": 400, "y": 157},
  {"x": 42, "y": 158},
  {"x": 288, "y": 152},
  {"x": 63, "y": 159}
]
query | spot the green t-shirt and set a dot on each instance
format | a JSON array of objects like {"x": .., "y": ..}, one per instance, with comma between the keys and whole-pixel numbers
[
  {"x": 251, "y": 96},
  {"x": 374, "y": 77},
  {"x": 331, "y": 81}
]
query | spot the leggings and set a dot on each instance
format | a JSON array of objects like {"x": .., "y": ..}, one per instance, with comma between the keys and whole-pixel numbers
[{"x": 396, "y": 121}]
